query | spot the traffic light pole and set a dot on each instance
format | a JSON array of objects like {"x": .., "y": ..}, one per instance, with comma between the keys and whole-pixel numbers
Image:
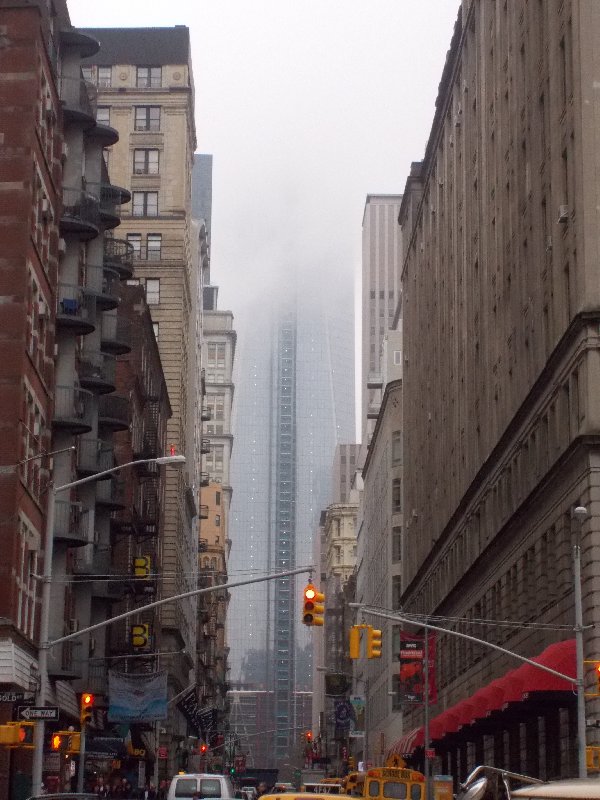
[
  {"x": 81, "y": 770},
  {"x": 45, "y": 645}
]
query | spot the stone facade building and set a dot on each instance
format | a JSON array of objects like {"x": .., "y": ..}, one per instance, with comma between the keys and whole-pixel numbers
[{"x": 501, "y": 305}]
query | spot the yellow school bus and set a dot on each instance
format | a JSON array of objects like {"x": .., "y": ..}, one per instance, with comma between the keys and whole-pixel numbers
[{"x": 393, "y": 783}]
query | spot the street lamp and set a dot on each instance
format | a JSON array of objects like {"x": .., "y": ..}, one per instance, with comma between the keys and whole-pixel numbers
[
  {"x": 44, "y": 646},
  {"x": 580, "y": 513}
]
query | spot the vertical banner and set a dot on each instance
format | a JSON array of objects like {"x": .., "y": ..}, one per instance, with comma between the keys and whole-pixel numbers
[
  {"x": 412, "y": 677},
  {"x": 135, "y": 697},
  {"x": 357, "y": 701}
]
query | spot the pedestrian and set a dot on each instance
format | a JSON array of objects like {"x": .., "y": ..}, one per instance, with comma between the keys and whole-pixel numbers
[
  {"x": 148, "y": 792},
  {"x": 163, "y": 790}
]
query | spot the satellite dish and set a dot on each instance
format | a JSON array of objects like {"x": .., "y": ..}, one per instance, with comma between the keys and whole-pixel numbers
[{"x": 476, "y": 791}]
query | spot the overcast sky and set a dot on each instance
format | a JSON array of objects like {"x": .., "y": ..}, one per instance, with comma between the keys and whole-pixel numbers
[{"x": 307, "y": 106}]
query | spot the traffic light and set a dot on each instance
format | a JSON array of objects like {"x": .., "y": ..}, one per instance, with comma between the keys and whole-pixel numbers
[
  {"x": 17, "y": 734},
  {"x": 86, "y": 708},
  {"x": 597, "y": 675},
  {"x": 141, "y": 566},
  {"x": 355, "y": 641},
  {"x": 203, "y": 748},
  {"x": 65, "y": 742},
  {"x": 140, "y": 636},
  {"x": 313, "y": 606},
  {"x": 309, "y": 737},
  {"x": 373, "y": 642},
  {"x": 232, "y": 771}
]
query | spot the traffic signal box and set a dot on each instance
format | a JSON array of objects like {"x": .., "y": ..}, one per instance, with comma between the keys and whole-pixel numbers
[
  {"x": 314, "y": 607},
  {"x": 65, "y": 742},
  {"x": 595, "y": 665},
  {"x": 374, "y": 641},
  {"x": 17, "y": 734},
  {"x": 86, "y": 708}
]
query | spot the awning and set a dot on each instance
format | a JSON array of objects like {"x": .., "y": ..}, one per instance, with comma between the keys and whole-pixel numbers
[{"x": 515, "y": 686}]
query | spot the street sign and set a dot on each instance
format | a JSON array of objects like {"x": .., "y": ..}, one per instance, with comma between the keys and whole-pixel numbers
[
  {"x": 12, "y": 697},
  {"x": 38, "y": 712},
  {"x": 163, "y": 752}
]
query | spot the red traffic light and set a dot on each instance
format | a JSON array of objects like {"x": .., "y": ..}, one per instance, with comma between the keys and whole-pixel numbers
[
  {"x": 309, "y": 736},
  {"x": 203, "y": 748},
  {"x": 87, "y": 699}
]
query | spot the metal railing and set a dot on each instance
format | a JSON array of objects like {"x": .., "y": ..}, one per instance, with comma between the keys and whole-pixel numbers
[
  {"x": 97, "y": 368},
  {"x": 94, "y": 455},
  {"x": 73, "y": 304},
  {"x": 163, "y": 250},
  {"x": 69, "y": 522},
  {"x": 118, "y": 253},
  {"x": 116, "y": 331},
  {"x": 79, "y": 97},
  {"x": 72, "y": 404},
  {"x": 102, "y": 281},
  {"x": 113, "y": 407},
  {"x": 80, "y": 207}
]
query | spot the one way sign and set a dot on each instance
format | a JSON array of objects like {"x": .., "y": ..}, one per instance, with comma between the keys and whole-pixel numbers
[{"x": 38, "y": 712}]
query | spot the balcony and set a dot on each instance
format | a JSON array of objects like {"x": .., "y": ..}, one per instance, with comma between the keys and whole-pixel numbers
[
  {"x": 118, "y": 255},
  {"x": 113, "y": 412},
  {"x": 204, "y": 479},
  {"x": 203, "y": 512},
  {"x": 205, "y": 446},
  {"x": 205, "y": 414},
  {"x": 102, "y": 284},
  {"x": 93, "y": 456},
  {"x": 72, "y": 409},
  {"x": 105, "y": 134},
  {"x": 80, "y": 213},
  {"x": 75, "y": 311},
  {"x": 111, "y": 199},
  {"x": 97, "y": 372},
  {"x": 116, "y": 335},
  {"x": 79, "y": 100},
  {"x": 110, "y": 494},
  {"x": 146, "y": 511},
  {"x": 70, "y": 524},
  {"x": 109, "y": 590},
  {"x": 202, "y": 545}
]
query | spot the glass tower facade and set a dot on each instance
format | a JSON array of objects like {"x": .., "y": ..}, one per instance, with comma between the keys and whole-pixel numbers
[{"x": 295, "y": 403}]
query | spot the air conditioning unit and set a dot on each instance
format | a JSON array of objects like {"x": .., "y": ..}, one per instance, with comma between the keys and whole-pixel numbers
[
  {"x": 563, "y": 214},
  {"x": 65, "y": 151},
  {"x": 62, "y": 246},
  {"x": 140, "y": 171},
  {"x": 42, "y": 309}
]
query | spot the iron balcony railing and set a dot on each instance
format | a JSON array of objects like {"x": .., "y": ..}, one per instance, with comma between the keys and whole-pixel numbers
[
  {"x": 80, "y": 209},
  {"x": 79, "y": 97},
  {"x": 72, "y": 407},
  {"x": 116, "y": 334},
  {"x": 74, "y": 310},
  {"x": 94, "y": 455},
  {"x": 113, "y": 410},
  {"x": 118, "y": 254},
  {"x": 70, "y": 523},
  {"x": 103, "y": 284},
  {"x": 97, "y": 371}
]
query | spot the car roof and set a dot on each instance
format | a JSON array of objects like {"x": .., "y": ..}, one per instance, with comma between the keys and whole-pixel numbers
[
  {"x": 577, "y": 788},
  {"x": 302, "y": 796}
]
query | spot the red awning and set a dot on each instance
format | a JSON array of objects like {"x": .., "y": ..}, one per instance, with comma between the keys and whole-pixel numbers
[{"x": 513, "y": 687}]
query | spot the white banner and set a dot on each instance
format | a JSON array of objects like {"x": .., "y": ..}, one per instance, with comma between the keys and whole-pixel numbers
[{"x": 135, "y": 697}]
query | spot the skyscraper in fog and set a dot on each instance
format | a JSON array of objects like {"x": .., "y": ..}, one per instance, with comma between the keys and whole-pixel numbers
[{"x": 295, "y": 403}]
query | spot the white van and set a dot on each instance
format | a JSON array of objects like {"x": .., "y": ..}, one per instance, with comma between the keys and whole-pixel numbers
[{"x": 204, "y": 785}]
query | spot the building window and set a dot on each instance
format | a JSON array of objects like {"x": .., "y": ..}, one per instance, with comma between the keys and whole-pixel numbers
[
  {"x": 216, "y": 355},
  {"x": 218, "y": 520},
  {"x": 397, "y": 358},
  {"x": 396, "y": 544},
  {"x": 396, "y": 591},
  {"x": 135, "y": 240},
  {"x": 103, "y": 115},
  {"x": 397, "y": 448},
  {"x": 156, "y": 329},
  {"x": 145, "y": 204},
  {"x": 218, "y": 498},
  {"x": 214, "y": 459},
  {"x": 88, "y": 73},
  {"x": 145, "y": 161},
  {"x": 149, "y": 77},
  {"x": 147, "y": 118},
  {"x": 396, "y": 495},
  {"x": 104, "y": 77},
  {"x": 153, "y": 291},
  {"x": 153, "y": 246}
]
